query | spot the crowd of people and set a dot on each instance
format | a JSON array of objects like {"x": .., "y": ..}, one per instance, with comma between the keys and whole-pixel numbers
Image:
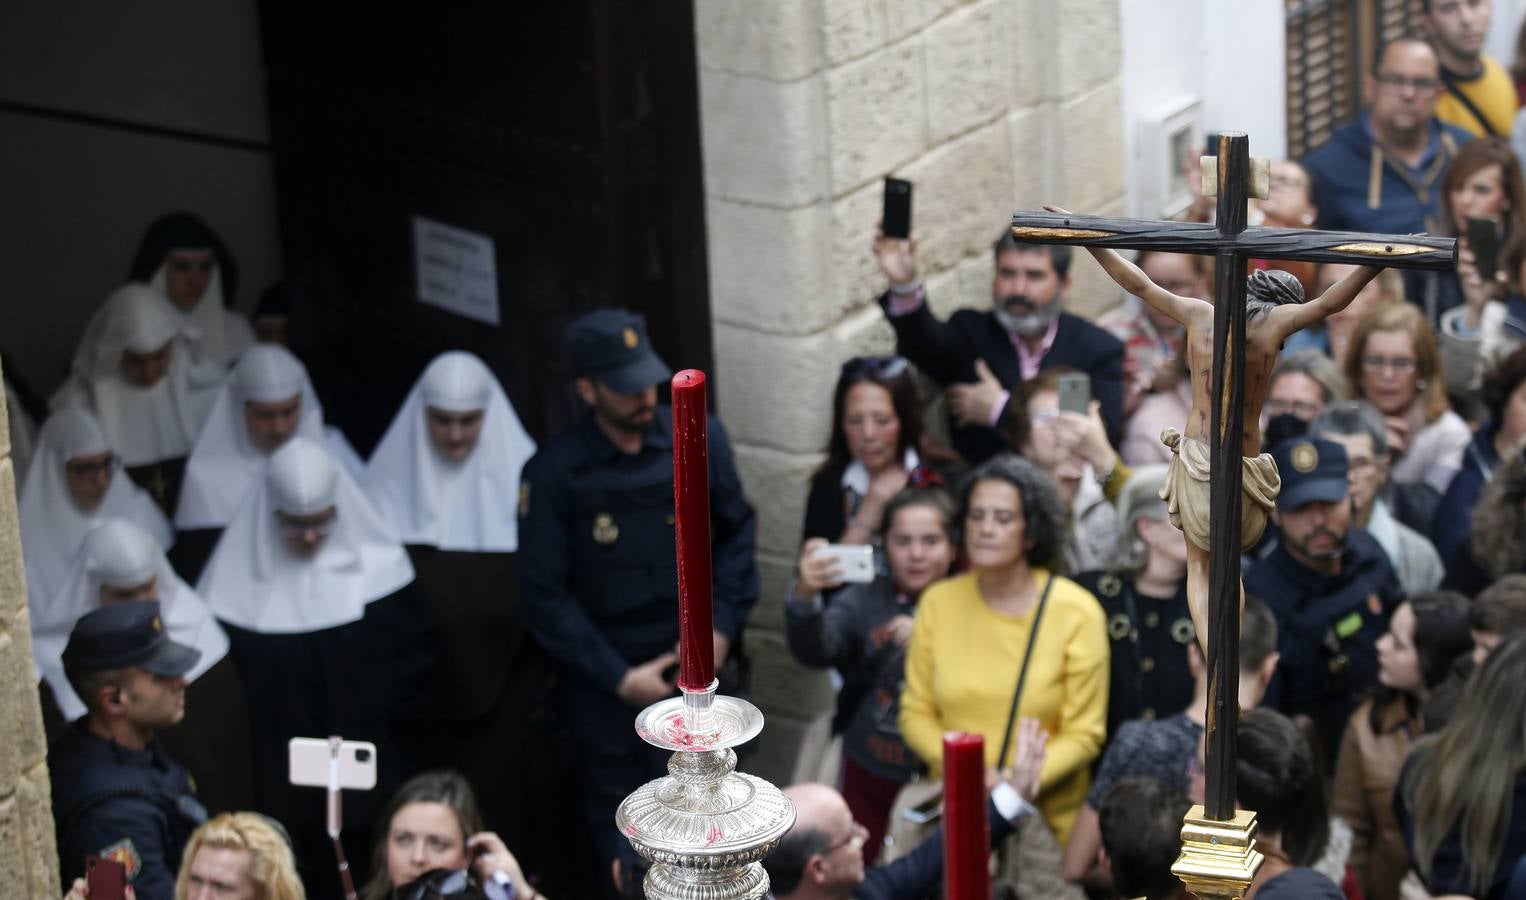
[{"x": 213, "y": 570}]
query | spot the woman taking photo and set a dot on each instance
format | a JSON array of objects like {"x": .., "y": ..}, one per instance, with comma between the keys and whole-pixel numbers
[
  {"x": 1425, "y": 634},
  {"x": 433, "y": 824},
  {"x": 1395, "y": 366},
  {"x": 972, "y": 634},
  {"x": 864, "y": 636},
  {"x": 1462, "y": 796},
  {"x": 876, "y": 437}
]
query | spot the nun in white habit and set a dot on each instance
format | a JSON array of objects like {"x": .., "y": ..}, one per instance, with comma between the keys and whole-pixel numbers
[
  {"x": 315, "y": 594},
  {"x": 120, "y": 562},
  {"x": 446, "y": 477},
  {"x": 71, "y": 485},
  {"x": 184, "y": 259},
  {"x": 139, "y": 376},
  {"x": 266, "y": 400}
]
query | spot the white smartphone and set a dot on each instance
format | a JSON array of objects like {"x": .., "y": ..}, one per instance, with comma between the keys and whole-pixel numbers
[
  {"x": 1075, "y": 390},
  {"x": 855, "y": 560},
  {"x": 309, "y": 763}
]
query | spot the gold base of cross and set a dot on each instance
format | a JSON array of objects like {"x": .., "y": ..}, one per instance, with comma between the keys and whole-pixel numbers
[{"x": 1219, "y": 859}]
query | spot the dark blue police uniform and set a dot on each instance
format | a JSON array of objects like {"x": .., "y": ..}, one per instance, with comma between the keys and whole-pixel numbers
[
  {"x": 1327, "y": 625},
  {"x": 600, "y": 585},
  {"x": 134, "y": 806}
]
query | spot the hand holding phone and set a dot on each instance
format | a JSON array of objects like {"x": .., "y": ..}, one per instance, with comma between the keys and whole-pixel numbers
[
  {"x": 1075, "y": 390},
  {"x": 896, "y": 222},
  {"x": 1483, "y": 241},
  {"x": 105, "y": 879},
  {"x": 855, "y": 561}
]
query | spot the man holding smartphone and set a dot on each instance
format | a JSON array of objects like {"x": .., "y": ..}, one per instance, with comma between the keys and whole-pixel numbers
[
  {"x": 981, "y": 356},
  {"x": 115, "y": 794}
]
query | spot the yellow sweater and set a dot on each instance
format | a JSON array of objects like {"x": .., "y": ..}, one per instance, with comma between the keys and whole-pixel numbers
[
  {"x": 1492, "y": 92},
  {"x": 961, "y": 669}
]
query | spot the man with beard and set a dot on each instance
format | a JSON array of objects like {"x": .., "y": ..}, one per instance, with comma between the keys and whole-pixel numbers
[
  {"x": 598, "y": 562},
  {"x": 982, "y": 356},
  {"x": 1330, "y": 587}
]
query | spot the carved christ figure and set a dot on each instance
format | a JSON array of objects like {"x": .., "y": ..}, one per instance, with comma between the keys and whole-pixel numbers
[{"x": 1274, "y": 309}]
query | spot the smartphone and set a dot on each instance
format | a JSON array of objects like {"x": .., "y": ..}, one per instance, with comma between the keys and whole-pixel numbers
[
  {"x": 896, "y": 220},
  {"x": 309, "y": 763},
  {"x": 106, "y": 878},
  {"x": 856, "y": 561},
  {"x": 929, "y": 810},
  {"x": 1484, "y": 241},
  {"x": 1075, "y": 390}
]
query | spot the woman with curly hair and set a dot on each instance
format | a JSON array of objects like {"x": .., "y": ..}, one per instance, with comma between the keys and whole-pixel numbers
[
  {"x": 973, "y": 631},
  {"x": 244, "y": 851}
]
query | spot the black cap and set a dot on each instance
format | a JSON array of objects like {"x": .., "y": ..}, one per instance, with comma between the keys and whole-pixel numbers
[
  {"x": 1312, "y": 471},
  {"x": 611, "y": 346},
  {"x": 126, "y": 636}
]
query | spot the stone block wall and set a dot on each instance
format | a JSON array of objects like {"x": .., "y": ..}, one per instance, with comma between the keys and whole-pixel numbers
[
  {"x": 28, "y": 857},
  {"x": 988, "y": 106}
]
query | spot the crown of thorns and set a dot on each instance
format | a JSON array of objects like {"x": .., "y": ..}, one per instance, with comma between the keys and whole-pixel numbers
[{"x": 1273, "y": 286}]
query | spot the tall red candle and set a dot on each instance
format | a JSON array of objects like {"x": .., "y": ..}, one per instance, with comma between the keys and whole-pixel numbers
[
  {"x": 691, "y": 503},
  {"x": 966, "y": 830}
]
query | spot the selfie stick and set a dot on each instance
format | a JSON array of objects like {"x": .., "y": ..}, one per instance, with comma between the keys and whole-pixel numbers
[{"x": 334, "y": 818}]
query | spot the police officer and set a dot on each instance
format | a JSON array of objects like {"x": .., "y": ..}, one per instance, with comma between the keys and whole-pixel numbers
[
  {"x": 115, "y": 794},
  {"x": 1331, "y": 588},
  {"x": 598, "y": 560}
]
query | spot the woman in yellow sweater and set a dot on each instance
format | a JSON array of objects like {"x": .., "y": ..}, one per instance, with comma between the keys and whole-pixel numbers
[{"x": 972, "y": 631}]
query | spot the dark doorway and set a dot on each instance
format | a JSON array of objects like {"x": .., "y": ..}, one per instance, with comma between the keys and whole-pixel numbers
[{"x": 566, "y": 132}]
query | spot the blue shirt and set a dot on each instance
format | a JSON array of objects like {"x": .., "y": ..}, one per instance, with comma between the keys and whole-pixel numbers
[{"x": 1407, "y": 200}]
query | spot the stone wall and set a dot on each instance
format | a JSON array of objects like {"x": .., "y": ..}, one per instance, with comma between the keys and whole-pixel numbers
[
  {"x": 988, "y": 106},
  {"x": 28, "y": 858}
]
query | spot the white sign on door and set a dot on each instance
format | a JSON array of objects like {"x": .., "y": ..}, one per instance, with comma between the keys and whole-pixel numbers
[{"x": 455, "y": 270}]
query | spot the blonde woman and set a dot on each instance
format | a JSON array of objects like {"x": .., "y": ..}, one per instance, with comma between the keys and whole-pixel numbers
[{"x": 239, "y": 854}]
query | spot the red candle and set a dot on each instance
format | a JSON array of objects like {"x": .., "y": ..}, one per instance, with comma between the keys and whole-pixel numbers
[
  {"x": 966, "y": 830},
  {"x": 691, "y": 503}
]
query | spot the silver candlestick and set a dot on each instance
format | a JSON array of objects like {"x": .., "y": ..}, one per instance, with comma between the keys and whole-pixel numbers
[{"x": 705, "y": 827}]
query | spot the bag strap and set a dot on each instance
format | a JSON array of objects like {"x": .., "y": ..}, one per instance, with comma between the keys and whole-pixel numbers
[
  {"x": 1022, "y": 673},
  {"x": 1455, "y": 91}
]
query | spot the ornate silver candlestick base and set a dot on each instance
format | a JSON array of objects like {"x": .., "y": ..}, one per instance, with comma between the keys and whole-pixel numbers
[{"x": 705, "y": 827}]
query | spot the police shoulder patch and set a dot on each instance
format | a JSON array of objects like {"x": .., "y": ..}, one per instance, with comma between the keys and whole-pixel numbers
[
  {"x": 125, "y": 853},
  {"x": 524, "y": 499}
]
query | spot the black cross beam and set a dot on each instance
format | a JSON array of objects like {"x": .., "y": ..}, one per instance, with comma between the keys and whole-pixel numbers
[{"x": 1231, "y": 244}]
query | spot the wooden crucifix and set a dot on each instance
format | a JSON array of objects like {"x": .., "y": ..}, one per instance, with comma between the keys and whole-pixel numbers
[{"x": 1228, "y": 391}]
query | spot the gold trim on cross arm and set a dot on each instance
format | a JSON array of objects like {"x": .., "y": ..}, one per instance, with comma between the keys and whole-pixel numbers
[
  {"x": 1372, "y": 248},
  {"x": 1058, "y": 233}
]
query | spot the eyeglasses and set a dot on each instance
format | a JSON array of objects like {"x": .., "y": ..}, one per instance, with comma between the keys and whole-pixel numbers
[
  {"x": 108, "y": 466},
  {"x": 437, "y": 883},
  {"x": 1399, "y": 83},
  {"x": 858, "y": 836},
  {"x": 883, "y": 366},
  {"x": 321, "y": 524},
  {"x": 1399, "y": 365},
  {"x": 1303, "y": 409}
]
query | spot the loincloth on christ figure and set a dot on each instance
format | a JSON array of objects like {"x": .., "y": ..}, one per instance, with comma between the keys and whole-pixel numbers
[{"x": 1185, "y": 490}]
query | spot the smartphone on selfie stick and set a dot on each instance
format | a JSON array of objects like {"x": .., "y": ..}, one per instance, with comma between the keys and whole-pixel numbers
[{"x": 336, "y": 765}]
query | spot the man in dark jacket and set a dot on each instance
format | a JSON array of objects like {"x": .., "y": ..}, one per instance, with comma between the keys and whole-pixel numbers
[
  {"x": 982, "y": 356},
  {"x": 1330, "y": 587},
  {"x": 115, "y": 794},
  {"x": 822, "y": 856},
  {"x": 1383, "y": 172}
]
